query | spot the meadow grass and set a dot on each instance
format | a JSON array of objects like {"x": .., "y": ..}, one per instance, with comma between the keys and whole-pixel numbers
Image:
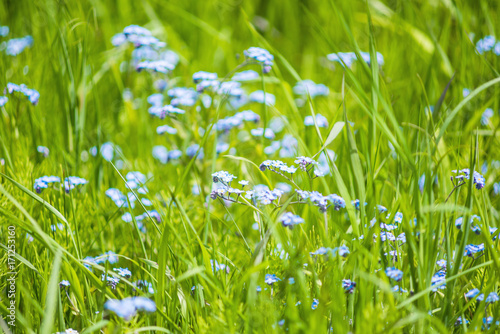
[{"x": 398, "y": 129}]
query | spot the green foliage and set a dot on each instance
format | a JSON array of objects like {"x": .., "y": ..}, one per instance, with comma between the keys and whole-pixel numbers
[{"x": 380, "y": 128}]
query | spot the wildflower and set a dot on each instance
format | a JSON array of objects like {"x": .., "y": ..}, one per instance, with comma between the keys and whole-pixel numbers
[
  {"x": 305, "y": 162},
  {"x": 421, "y": 183},
  {"x": 386, "y": 236},
  {"x": 471, "y": 249},
  {"x": 486, "y": 44},
  {"x": 479, "y": 180},
  {"x": 277, "y": 166},
  {"x": 162, "y": 112},
  {"x": 260, "y": 97},
  {"x": 260, "y": 55},
  {"x": 202, "y": 76},
  {"x": 271, "y": 279},
  {"x": 348, "y": 285},
  {"x": 72, "y": 182},
  {"x": 123, "y": 272},
  {"x": 397, "y": 288},
  {"x": 243, "y": 183},
  {"x": 3, "y": 100},
  {"x": 216, "y": 266},
  {"x": 4, "y": 31},
  {"x": 64, "y": 283},
  {"x": 348, "y": 58},
  {"x": 160, "y": 153},
  {"x": 460, "y": 321},
  {"x": 288, "y": 219},
  {"x": 309, "y": 87},
  {"x": 465, "y": 92},
  {"x": 223, "y": 176},
  {"x": 166, "y": 129},
  {"x": 112, "y": 281},
  {"x": 314, "y": 304},
  {"x": 291, "y": 280},
  {"x": 182, "y": 96},
  {"x": 438, "y": 280},
  {"x": 259, "y": 132},
  {"x": 441, "y": 263},
  {"x": 174, "y": 154},
  {"x": 128, "y": 307},
  {"x": 44, "y": 182},
  {"x": 283, "y": 187},
  {"x": 473, "y": 293},
  {"x": 110, "y": 257},
  {"x": 31, "y": 94},
  {"x": 492, "y": 298},
  {"x": 44, "y": 150},
  {"x": 245, "y": 75},
  {"x": 193, "y": 149},
  {"x": 159, "y": 66},
  {"x": 17, "y": 45},
  {"x": 68, "y": 331},
  {"x": 146, "y": 284},
  {"x": 394, "y": 273},
  {"x": 485, "y": 117},
  {"x": 321, "y": 121}
]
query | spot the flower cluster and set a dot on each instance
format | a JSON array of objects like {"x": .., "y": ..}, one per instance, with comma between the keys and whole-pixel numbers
[
  {"x": 262, "y": 56},
  {"x": 288, "y": 219},
  {"x": 17, "y": 45},
  {"x": 488, "y": 43},
  {"x": 348, "y": 58},
  {"x": 322, "y": 201},
  {"x": 31, "y": 94},
  {"x": 277, "y": 166},
  {"x": 128, "y": 307},
  {"x": 236, "y": 120},
  {"x": 479, "y": 180}
]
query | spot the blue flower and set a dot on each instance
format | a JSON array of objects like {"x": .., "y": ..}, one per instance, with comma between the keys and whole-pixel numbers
[
  {"x": 216, "y": 266},
  {"x": 259, "y": 132},
  {"x": 473, "y": 293},
  {"x": 162, "y": 112},
  {"x": 31, "y": 94},
  {"x": 438, "y": 280},
  {"x": 348, "y": 285},
  {"x": 288, "y": 219},
  {"x": 460, "y": 321},
  {"x": 485, "y": 117},
  {"x": 202, "y": 76},
  {"x": 258, "y": 97},
  {"x": 309, "y": 87},
  {"x": 44, "y": 150},
  {"x": 471, "y": 249},
  {"x": 270, "y": 279},
  {"x": 160, "y": 153},
  {"x": 465, "y": 92},
  {"x": 17, "y": 45},
  {"x": 314, "y": 304},
  {"x": 159, "y": 66},
  {"x": 245, "y": 75},
  {"x": 3, "y": 100},
  {"x": 486, "y": 44},
  {"x": 492, "y": 298},
  {"x": 166, "y": 129},
  {"x": 123, "y": 272},
  {"x": 394, "y": 273},
  {"x": 262, "y": 56},
  {"x": 64, "y": 283},
  {"x": 44, "y": 182},
  {"x": 72, "y": 182},
  {"x": 4, "y": 31},
  {"x": 128, "y": 307},
  {"x": 320, "y": 120},
  {"x": 479, "y": 180}
]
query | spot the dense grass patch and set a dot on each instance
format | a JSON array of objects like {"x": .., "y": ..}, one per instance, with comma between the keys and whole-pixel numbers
[{"x": 180, "y": 176}]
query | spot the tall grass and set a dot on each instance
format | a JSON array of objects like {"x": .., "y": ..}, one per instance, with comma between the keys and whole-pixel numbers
[{"x": 380, "y": 128}]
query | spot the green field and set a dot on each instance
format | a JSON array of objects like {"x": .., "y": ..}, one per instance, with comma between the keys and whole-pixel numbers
[{"x": 128, "y": 130}]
